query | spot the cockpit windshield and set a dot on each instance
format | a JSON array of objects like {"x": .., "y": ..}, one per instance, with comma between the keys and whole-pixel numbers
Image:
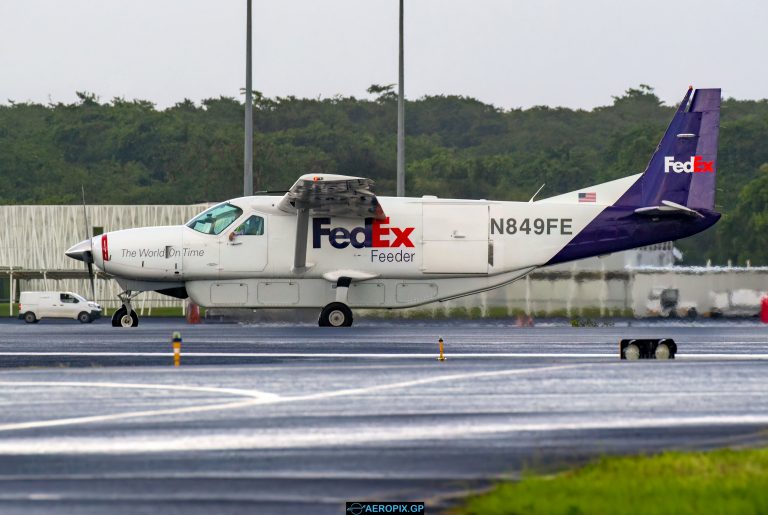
[{"x": 215, "y": 219}]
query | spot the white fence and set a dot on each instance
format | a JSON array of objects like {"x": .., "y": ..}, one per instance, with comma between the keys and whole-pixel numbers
[{"x": 34, "y": 238}]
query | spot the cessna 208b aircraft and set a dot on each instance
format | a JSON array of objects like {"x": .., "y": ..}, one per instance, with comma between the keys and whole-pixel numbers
[{"x": 331, "y": 243}]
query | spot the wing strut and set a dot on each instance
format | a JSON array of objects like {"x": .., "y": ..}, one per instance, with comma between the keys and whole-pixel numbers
[{"x": 302, "y": 228}]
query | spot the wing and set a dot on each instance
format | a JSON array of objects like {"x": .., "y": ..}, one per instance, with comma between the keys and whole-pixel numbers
[
  {"x": 329, "y": 195},
  {"x": 333, "y": 195}
]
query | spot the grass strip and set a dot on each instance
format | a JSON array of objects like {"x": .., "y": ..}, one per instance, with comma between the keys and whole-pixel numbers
[{"x": 715, "y": 482}]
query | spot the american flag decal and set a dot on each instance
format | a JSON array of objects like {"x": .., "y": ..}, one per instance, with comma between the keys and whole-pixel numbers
[{"x": 589, "y": 196}]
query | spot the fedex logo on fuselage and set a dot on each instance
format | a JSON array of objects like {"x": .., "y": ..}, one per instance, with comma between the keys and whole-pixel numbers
[
  {"x": 695, "y": 165},
  {"x": 375, "y": 233}
]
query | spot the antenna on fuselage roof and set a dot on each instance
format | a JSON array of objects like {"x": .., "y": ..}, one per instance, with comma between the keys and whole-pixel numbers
[{"x": 537, "y": 192}]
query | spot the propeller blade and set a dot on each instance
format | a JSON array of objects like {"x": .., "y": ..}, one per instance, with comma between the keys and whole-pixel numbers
[
  {"x": 89, "y": 264},
  {"x": 88, "y": 255}
]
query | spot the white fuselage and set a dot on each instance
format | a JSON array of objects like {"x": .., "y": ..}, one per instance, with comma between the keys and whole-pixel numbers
[{"x": 428, "y": 249}]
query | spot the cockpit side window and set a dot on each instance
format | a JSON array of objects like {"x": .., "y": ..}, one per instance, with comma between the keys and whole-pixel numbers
[
  {"x": 215, "y": 219},
  {"x": 253, "y": 226}
]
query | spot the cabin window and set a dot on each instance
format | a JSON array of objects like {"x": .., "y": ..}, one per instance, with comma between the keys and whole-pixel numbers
[
  {"x": 253, "y": 226},
  {"x": 215, "y": 219}
]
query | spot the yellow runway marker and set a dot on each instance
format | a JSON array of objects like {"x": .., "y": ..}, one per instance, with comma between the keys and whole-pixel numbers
[
  {"x": 441, "y": 357},
  {"x": 176, "y": 349}
]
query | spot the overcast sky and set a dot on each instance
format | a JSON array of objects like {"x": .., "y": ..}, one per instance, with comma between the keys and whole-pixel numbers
[{"x": 512, "y": 53}]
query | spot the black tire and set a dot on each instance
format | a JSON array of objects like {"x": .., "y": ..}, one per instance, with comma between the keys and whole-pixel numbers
[
  {"x": 335, "y": 314},
  {"x": 30, "y": 317},
  {"x": 84, "y": 318},
  {"x": 117, "y": 315},
  {"x": 119, "y": 318}
]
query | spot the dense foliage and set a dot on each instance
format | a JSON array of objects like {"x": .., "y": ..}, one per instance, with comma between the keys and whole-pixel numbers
[{"x": 130, "y": 152}]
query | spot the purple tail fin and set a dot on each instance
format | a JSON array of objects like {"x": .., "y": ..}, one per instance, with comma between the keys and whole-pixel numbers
[{"x": 683, "y": 168}]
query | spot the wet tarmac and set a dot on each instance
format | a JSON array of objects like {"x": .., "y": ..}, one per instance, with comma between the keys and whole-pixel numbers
[{"x": 300, "y": 419}]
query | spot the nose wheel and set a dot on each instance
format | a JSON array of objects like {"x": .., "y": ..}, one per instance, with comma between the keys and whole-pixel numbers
[
  {"x": 126, "y": 316},
  {"x": 335, "y": 314},
  {"x": 122, "y": 318}
]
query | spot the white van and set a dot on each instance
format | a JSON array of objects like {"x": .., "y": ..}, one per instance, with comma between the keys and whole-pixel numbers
[{"x": 36, "y": 305}]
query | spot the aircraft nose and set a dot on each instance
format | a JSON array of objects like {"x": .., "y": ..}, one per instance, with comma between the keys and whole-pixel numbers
[{"x": 82, "y": 251}]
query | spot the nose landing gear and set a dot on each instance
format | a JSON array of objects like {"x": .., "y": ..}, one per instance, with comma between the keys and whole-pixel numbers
[{"x": 126, "y": 316}]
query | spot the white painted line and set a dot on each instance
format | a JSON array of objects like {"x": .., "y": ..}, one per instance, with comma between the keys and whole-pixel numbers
[
  {"x": 257, "y": 401},
  {"x": 365, "y": 355},
  {"x": 141, "y": 386},
  {"x": 34, "y": 497},
  {"x": 253, "y": 394},
  {"x": 383, "y": 355},
  {"x": 362, "y": 435},
  {"x": 121, "y": 416},
  {"x": 258, "y": 474},
  {"x": 722, "y": 356},
  {"x": 427, "y": 380}
]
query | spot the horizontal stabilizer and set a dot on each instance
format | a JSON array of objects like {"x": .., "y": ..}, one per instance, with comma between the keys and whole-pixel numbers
[{"x": 667, "y": 207}]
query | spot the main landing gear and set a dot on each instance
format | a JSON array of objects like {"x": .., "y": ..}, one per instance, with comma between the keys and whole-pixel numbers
[
  {"x": 337, "y": 314},
  {"x": 126, "y": 316}
]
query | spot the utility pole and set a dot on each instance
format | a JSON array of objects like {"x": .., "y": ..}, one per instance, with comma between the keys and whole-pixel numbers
[
  {"x": 400, "y": 117},
  {"x": 248, "y": 159}
]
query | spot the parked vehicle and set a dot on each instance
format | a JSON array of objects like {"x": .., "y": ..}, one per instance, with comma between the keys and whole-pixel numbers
[
  {"x": 736, "y": 303},
  {"x": 36, "y": 305},
  {"x": 665, "y": 302}
]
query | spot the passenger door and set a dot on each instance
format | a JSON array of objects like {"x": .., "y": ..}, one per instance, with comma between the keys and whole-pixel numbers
[
  {"x": 69, "y": 306},
  {"x": 244, "y": 248}
]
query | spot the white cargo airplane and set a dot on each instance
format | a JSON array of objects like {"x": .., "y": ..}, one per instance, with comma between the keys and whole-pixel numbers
[{"x": 331, "y": 243}]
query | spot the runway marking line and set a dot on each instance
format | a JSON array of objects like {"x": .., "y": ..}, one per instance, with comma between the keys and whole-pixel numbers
[
  {"x": 265, "y": 399},
  {"x": 301, "y": 439},
  {"x": 143, "y": 386},
  {"x": 569, "y": 355}
]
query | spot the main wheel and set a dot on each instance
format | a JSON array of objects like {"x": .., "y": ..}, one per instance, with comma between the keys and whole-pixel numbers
[
  {"x": 632, "y": 352},
  {"x": 30, "y": 317},
  {"x": 121, "y": 318},
  {"x": 84, "y": 318},
  {"x": 335, "y": 314}
]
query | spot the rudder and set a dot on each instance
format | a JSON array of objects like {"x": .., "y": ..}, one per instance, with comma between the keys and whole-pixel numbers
[{"x": 683, "y": 168}]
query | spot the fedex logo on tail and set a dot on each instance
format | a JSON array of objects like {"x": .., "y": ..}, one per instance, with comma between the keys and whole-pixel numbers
[
  {"x": 375, "y": 233},
  {"x": 695, "y": 165}
]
